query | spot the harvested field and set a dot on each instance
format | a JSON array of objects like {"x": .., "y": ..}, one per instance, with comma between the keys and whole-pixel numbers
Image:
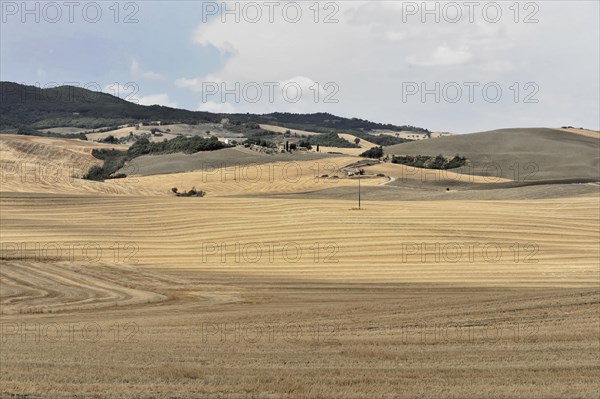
[
  {"x": 276, "y": 286},
  {"x": 171, "y": 320}
]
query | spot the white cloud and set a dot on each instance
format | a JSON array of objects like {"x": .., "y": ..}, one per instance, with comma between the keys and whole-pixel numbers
[
  {"x": 137, "y": 72},
  {"x": 498, "y": 66},
  {"x": 371, "y": 52},
  {"x": 296, "y": 94},
  {"x": 443, "y": 55},
  {"x": 157, "y": 99},
  {"x": 130, "y": 92},
  {"x": 212, "y": 106},
  {"x": 196, "y": 84}
]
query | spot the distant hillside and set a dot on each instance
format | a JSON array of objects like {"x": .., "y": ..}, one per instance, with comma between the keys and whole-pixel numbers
[
  {"x": 29, "y": 107},
  {"x": 322, "y": 122},
  {"x": 518, "y": 154}
]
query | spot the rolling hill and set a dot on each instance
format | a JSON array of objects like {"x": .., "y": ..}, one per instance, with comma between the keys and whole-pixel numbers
[
  {"x": 449, "y": 278},
  {"x": 31, "y": 107},
  {"x": 518, "y": 154}
]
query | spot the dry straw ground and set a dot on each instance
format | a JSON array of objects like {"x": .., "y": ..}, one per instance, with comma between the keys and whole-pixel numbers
[{"x": 120, "y": 289}]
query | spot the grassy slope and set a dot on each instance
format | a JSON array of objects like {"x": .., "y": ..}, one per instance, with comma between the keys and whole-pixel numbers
[{"x": 556, "y": 154}]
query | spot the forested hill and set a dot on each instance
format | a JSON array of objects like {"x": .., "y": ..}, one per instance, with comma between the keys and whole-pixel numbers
[{"x": 30, "y": 107}]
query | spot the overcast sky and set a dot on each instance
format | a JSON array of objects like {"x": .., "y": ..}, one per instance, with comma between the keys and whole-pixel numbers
[{"x": 480, "y": 66}]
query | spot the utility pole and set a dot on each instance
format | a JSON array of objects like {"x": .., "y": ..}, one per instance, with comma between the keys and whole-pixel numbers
[{"x": 359, "y": 191}]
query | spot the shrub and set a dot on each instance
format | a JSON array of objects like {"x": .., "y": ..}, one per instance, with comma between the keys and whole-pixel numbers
[
  {"x": 260, "y": 142},
  {"x": 381, "y": 140},
  {"x": 110, "y": 139},
  {"x": 375, "y": 153},
  {"x": 116, "y": 159},
  {"x": 192, "y": 193},
  {"x": 304, "y": 143},
  {"x": 429, "y": 162},
  {"x": 438, "y": 162},
  {"x": 188, "y": 145},
  {"x": 94, "y": 173},
  {"x": 456, "y": 162}
]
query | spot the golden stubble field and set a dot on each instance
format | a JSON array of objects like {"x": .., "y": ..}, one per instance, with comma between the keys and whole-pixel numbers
[{"x": 137, "y": 293}]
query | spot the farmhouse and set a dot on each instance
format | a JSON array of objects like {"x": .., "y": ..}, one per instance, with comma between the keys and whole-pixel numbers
[{"x": 234, "y": 140}]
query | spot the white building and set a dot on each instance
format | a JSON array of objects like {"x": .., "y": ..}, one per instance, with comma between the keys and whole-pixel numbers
[{"x": 234, "y": 140}]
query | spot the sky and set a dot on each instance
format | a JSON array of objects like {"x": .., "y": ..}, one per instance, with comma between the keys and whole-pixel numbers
[{"x": 461, "y": 66}]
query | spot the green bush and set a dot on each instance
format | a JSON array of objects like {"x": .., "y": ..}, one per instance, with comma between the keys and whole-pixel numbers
[
  {"x": 429, "y": 162},
  {"x": 256, "y": 140},
  {"x": 94, "y": 173},
  {"x": 116, "y": 159},
  {"x": 187, "y": 145},
  {"x": 192, "y": 193},
  {"x": 305, "y": 143},
  {"x": 110, "y": 140},
  {"x": 375, "y": 153}
]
